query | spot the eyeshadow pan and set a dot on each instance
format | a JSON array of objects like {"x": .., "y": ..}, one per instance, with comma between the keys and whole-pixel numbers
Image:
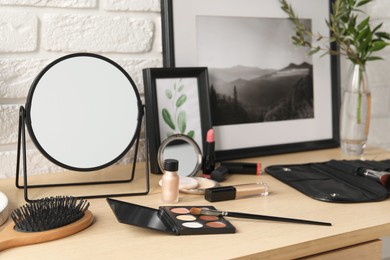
[
  {"x": 186, "y": 217},
  {"x": 216, "y": 224},
  {"x": 180, "y": 210},
  {"x": 208, "y": 218},
  {"x": 192, "y": 225}
]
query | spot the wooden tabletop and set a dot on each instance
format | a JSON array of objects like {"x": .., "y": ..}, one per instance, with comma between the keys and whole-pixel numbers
[{"x": 108, "y": 239}]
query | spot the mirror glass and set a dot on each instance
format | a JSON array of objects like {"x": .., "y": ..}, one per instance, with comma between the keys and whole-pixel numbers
[
  {"x": 185, "y": 150},
  {"x": 83, "y": 112}
]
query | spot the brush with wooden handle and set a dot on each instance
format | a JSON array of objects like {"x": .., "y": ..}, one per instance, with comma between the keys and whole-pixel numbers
[
  {"x": 45, "y": 220},
  {"x": 201, "y": 211}
]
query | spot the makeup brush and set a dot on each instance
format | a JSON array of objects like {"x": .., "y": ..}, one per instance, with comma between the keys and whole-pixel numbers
[
  {"x": 209, "y": 212},
  {"x": 383, "y": 177},
  {"x": 45, "y": 220}
]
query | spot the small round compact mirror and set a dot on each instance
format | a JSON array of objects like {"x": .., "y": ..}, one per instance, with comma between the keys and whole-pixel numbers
[{"x": 185, "y": 150}]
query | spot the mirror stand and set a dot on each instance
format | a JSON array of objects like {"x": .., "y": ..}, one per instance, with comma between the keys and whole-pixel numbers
[{"x": 21, "y": 152}]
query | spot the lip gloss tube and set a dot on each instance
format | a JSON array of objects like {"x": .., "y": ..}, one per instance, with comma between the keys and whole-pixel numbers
[{"x": 236, "y": 192}]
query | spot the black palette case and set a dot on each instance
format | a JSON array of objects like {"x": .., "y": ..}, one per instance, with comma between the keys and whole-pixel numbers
[
  {"x": 335, "y": 180},
  {"x": 170, "y": 219}
]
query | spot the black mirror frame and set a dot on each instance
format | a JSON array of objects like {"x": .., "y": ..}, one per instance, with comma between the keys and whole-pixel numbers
[{"x": 25, "y": 122}]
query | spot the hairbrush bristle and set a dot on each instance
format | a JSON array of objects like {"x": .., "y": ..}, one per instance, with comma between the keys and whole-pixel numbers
[{"x": 49, "y": 213}]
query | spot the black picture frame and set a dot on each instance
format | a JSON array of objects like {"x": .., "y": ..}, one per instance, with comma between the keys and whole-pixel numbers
[
  {"x": 154, "y": 81},
  {"x": 180, "y": 32}
]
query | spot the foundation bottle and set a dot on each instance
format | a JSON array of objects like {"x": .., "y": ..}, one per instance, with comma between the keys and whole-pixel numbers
[{"x": 170, "y": 181}]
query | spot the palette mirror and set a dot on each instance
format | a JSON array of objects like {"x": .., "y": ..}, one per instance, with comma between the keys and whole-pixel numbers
[
  {"x": 185, "y": 150},
  {"x": 83, "y": 112}
]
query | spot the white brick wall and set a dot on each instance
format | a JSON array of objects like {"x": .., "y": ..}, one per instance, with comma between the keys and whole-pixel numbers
[
  {"x": 52, "y": 3},
  {"x": 18, "y": 32},
  {"x": 135, "y": 5},
  {"x": 91, "y": 33},
  {"x": 33, "y": 33},
  {"x": 17, "y": 74}
]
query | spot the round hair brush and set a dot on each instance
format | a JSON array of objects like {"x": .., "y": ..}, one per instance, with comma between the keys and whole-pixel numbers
[{"x": 45, "y": 220}]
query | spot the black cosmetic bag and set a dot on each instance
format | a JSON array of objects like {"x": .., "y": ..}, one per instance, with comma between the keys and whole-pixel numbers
[{"x": 335, "y": 180}]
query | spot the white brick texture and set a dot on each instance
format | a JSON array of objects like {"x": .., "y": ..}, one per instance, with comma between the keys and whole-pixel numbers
[
  {"x": 9, "y": 120},
  {"x": 8, "y": 164},
  {"x": 36, "y": 163},
  {"x": 76, "y": 33},
  {"x": 52, "y": 3},
  {"x": 132, "y": 5},
  {"x": 18, "y": 32},
  {"x": 134, "y": 69},
  {"x": 17, "y": 75}
]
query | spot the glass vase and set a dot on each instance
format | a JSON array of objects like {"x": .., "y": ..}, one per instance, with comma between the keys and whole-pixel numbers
[{"x": 355, "y": 111}]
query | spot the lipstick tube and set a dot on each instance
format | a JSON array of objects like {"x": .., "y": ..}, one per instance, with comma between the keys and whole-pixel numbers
[
  {"x": 236, "y": 192},
  {"x": 209, "y": 154}
]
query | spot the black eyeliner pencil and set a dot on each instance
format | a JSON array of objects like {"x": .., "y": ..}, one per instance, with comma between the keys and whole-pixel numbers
[{"x": 198, "y": 211}]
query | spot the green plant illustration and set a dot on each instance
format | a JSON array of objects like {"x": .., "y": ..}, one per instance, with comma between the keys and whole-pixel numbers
[{"x": 175, "y": 116}]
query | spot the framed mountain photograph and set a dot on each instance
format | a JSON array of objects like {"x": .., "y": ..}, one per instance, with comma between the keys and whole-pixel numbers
[{"x": 267, "y": 96}]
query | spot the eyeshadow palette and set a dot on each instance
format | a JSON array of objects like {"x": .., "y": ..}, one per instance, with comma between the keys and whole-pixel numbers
[{"x": 170, "y": 219}]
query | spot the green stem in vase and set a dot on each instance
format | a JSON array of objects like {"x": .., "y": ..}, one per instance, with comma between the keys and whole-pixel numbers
[
  {"x": 360, "y": 90},
  {"x": 359, "y": 115}
]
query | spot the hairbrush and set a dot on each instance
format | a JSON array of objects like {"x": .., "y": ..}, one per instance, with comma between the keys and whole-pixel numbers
[
  {"x": 45, "y": 220},
  {"x": 209, "y": 212}
]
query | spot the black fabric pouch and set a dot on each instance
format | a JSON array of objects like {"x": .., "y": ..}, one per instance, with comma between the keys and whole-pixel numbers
[{"x": 335, "y": 180}]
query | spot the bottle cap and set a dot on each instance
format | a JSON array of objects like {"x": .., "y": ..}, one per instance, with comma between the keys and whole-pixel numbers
[
  {"x": 220, "y": 193},
  {"x": 171, "y": 165}
]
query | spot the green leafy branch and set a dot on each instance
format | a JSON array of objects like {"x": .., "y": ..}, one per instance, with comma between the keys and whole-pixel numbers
[
  {"x": 356, "y": 39},
  {"x": 176, "y": 118}
]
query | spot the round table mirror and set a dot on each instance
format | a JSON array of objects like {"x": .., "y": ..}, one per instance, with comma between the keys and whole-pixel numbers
[{"x": 83, "y": 112}]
